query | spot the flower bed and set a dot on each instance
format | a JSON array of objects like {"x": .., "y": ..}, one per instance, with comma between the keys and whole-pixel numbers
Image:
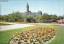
[{"x": 38, "y": 35}]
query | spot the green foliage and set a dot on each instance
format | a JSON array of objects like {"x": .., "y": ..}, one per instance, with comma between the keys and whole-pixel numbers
[
  {"x": 46, "y": 18},
  {"x": 19, "y": 17},
  {"x": 12, "y": 17}
]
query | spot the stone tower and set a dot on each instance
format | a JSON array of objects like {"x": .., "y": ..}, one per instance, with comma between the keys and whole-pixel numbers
[
  {"x": 28, "y": 12},
  {"x": 27, "y": 7}
]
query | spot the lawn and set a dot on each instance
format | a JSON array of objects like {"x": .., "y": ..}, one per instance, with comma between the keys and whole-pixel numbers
[
  {"x": 59, "y": 36},
  {"x": 6, "y": 35},
  {"x": 4, "y": 24}
]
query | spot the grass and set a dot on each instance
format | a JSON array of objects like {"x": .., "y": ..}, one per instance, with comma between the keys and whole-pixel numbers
[
  {"x": 59, "y": 36},
  {"x": 4, "y": 24},
  {"x": 6, "y": 35}
]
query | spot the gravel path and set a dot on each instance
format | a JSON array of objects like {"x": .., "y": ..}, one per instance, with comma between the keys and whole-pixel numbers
[{"x": 14, "y": 26}]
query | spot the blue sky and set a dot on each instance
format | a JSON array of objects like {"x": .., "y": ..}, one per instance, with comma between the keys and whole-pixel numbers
[{"x": 46, "y": 6}]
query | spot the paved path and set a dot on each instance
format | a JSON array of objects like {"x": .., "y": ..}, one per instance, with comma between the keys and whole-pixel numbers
[
  {"x": 14, "y": 26},
  {"x": 61, "y": 24}
]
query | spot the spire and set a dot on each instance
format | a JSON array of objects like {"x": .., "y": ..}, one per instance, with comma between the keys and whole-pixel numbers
[{"x": 27, "y": 7}]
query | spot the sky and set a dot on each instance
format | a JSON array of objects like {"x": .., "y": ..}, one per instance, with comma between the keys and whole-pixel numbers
[{"x": 46, "y": 6}]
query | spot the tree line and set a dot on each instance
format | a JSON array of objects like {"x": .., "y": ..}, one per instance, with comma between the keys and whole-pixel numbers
[{"x": 19, "y": 17}]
